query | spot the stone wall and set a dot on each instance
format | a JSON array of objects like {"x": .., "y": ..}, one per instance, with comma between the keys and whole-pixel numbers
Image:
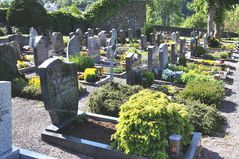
[{"x": 133, "y": 12}]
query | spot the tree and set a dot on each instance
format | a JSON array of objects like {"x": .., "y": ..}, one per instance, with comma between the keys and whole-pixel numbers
[{"x": 27, "y": 13}]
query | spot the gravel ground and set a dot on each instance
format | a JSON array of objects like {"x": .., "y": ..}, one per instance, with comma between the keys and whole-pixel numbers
[
  {"x": 30, "y": 119},
  {"x": 226, "y": 146}
]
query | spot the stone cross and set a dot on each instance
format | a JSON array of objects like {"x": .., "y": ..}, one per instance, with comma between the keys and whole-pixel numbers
[{"x": 59, "y": 85}]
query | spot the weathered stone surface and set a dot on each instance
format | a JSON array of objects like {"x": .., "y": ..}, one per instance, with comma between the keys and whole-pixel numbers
[
  {"x": 16, "y": 47},
  {"x": 102, "y": 38},
  {"x": 143, "y": 42},
  {"x": 73, "y": 46},
  {"x": 59, "y": 85},
  {"x": 174, "y": 53},
  {"x": 5, "y": 117},
  {"x": 57, "y": 42},
  {"x": 18, "y": 38},
  {"x": 32, "y": 36},
  {"x": 42, "y": 50},
  {"x": 94, "y": 48},
  {"x": 163, "y": 56},
  {"x": 8, "y": 63},
  {"x": 153, "y": 57},
  {"x": 133, "y": 68},
  {"x": 182, "y": 51},
  {"x": 122, "y": 37}
]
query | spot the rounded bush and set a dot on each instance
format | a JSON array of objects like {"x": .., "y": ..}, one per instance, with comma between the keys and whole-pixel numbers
[
  {"x": 82, "y": 62},
  {"x": 204, "y": 118},
  {"x": 149, "y": 76},
  {"x": 27, "y": 13},
  {"x": 107, "y": 99},
  {"x": 145, "y": 123},
  {"x": 199, "y": 51},
  {"x": 90, "y": 75},
  {"x": 207, "y": 92},
  {"x": 214, "y": 43}
]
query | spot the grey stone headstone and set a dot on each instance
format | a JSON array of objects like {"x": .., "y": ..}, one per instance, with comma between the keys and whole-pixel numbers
[
  {"x": 59, "y": 85},
  {"x": 122, "y": 37},
  {"x": 94, "y": 48},
  {"x": 192, "y": 42},
  {"x": 16, "y": 47},
  {"x": 205, "y": 41},
  {"x": 177, "y": 36},
  {"x": 102, "y": 39},
  {"x": 163, "y": 56},
  {"x": 174, "y": 37},
  {"x": 91, "y": 32},
  {"x": 18, "y": 38},
  {"x": 143, "y": 42},
  {"x": 79, "y": 33},
  {"x": 71, "y": 34},
  {"x": 153, "y": 57},
  {"x": 182, "y": 51},
  {"x": 57, "y": 42},
  {"x": 152, "y": 40},
  {"x": 73, "y": 46},
  {"x": 159, "y": 39},
  {"x": 32, "y": 36},
  {"x": 42, "y": 50},
  {"x": 174, "y": 53},
  {"x": 86, "y": 36},
  {"x": 5, "y": 117},
  {"x": 133, "y": 68},
  {"x": 8, "y": 63},
  {"x": 130, "y": 33}
]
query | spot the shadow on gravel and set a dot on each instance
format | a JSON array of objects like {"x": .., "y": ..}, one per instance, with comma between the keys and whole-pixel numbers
[
  {"x": 229, "y": 92},
  {"x": 84, "y": 95},
  {"x": 230, "y": 73},
  {"x": 232, "y": 68},
  {"x": 207, "y": 154},
  {"x": 229, "y": 81},
  {"x": 228, "y": 106}
]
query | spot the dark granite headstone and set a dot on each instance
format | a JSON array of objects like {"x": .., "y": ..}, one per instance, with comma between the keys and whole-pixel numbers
[
  {"x": 18, "y": 38},
  {"x": 133, "y": 68},
  {"x": 59, "y": 85},
  {"x": 182, "y": 48},
  {"x": 57, "y": 42},
  {"x": 153, "y": 57},
  {"x": 152, "y": 39},
  {"x": 8, "y": 63},
  {"x": 122, "y": 37},
  {"x": 143, "y": 42},
  {"x": 174, "y": 53},
  {"x": 130, "y": 33},
  {"x": 163, "y": 56}
]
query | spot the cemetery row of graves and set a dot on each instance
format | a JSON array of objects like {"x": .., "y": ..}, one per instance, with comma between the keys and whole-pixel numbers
[{"x": 174, "y": 86}]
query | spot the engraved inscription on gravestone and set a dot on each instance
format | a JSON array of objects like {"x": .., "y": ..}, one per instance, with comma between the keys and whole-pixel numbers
[{"x": 59, "y": 85}]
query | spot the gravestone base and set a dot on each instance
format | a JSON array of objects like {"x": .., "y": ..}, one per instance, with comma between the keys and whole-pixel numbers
[{"x": 11, "y": 154}]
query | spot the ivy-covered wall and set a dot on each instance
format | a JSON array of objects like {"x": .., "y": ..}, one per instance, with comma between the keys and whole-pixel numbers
[{"x": 130, "y": 14}]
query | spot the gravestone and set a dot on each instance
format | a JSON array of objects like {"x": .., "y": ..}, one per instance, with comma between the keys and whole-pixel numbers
[
  {"x": 57, "y": 42},
  {"x": 177, "y": 36},
  {"x": 174, "y": 37},
  {"x": 143, "y": 42},
  {"x": 42, "y": 50},
  {"x": 18, "y": 38},
  {"x": 73, "y": 46},
  {"x": 97, "y": 31},
  {"x": 94, "y": 48},
  {"x": 86, "y": 36},
  {"x": 174, "y": 53},
  {"x": 197, "y": 41},
  {"x": 32, "y": 36},
  {"x": 152, "y": 40},
  {"x": 163, "y": 56},
  {"x": 102, "y": 39},
  {"x": 153, "y": 57},
  {"x": 192, "y": 41},
  {"x": 133, "y": 68},
  {"x": 182, "y": 51},
  {"x": 5, "y": 117},
  {"x": 130, "y": 33},
  {"x": 71, "y": 34},
  {"x": 205, "y": 41},
  {"x": 8, "y": 63},
  {"x": 159, "y": 38},
  {"x": 79, "y": 33},
  {"x": 17, "y": 49},
  {"x": 122, "y": 37},
  {"x": 91, "y": 32},
  {"x": 132, "y": 24},
  {"x": 59, "y": 85}
]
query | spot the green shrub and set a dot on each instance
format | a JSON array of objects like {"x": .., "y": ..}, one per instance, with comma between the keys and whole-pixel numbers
[
  {"x": 194, "y": 75},
  {"x": 27, "y": 13},
  {"x": 168, "y": 89},
  {"x": 224, "y": 55},
  {"x": 18, "y": 85},
  {"x": 108, "y": 98},
  {"x": 199, "y": 51},
  {"x": 64, "y": 22},
  {"x": 3, "y": 14},
  {"x": 214, "y": 43},
  {"x": 204, "y": 118},
  {"x": 90, "y": 75},
  {"x": 149, "y": 76},
  {"x": 145, "y": 123},
  {"x": 207, "y": 92},
  {"x": 178, "y": 68},
  {"x": 82, "y": 62},
  {"x": 182, "y": 61}
]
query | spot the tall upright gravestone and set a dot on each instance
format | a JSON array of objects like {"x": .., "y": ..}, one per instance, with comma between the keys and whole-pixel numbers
[
  {"x": 42, "y": 50},
  {"x": 73, "y": 46},
  {"x": 5, "y": 118},
  {"x": 133, "y": 66},
  {"x": 57, "y": 42},
  {"x": 163, "y": 56},
  {"x": 153, "y": 57},
  {"x": 59, "y": 85},
  {"x": 32, "y": 36}
]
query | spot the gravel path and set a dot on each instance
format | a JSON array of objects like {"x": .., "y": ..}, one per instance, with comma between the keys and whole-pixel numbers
[
  {"x": 30, "y": 119},
  {"x": 227, "y": 146}
]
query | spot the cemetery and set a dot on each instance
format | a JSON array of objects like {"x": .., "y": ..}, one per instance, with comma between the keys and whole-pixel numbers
[{"x": 109, "y": 82}]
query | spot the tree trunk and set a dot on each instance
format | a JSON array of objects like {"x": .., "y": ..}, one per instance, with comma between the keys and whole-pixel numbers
[
  {"x": 211, "y": 13},
  {"x": 217, "y": 30}
]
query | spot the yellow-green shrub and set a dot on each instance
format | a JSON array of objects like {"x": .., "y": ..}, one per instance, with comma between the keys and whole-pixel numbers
[
  {"x": 145, "y": 123},
  {"x": 90, "y": 75}
]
